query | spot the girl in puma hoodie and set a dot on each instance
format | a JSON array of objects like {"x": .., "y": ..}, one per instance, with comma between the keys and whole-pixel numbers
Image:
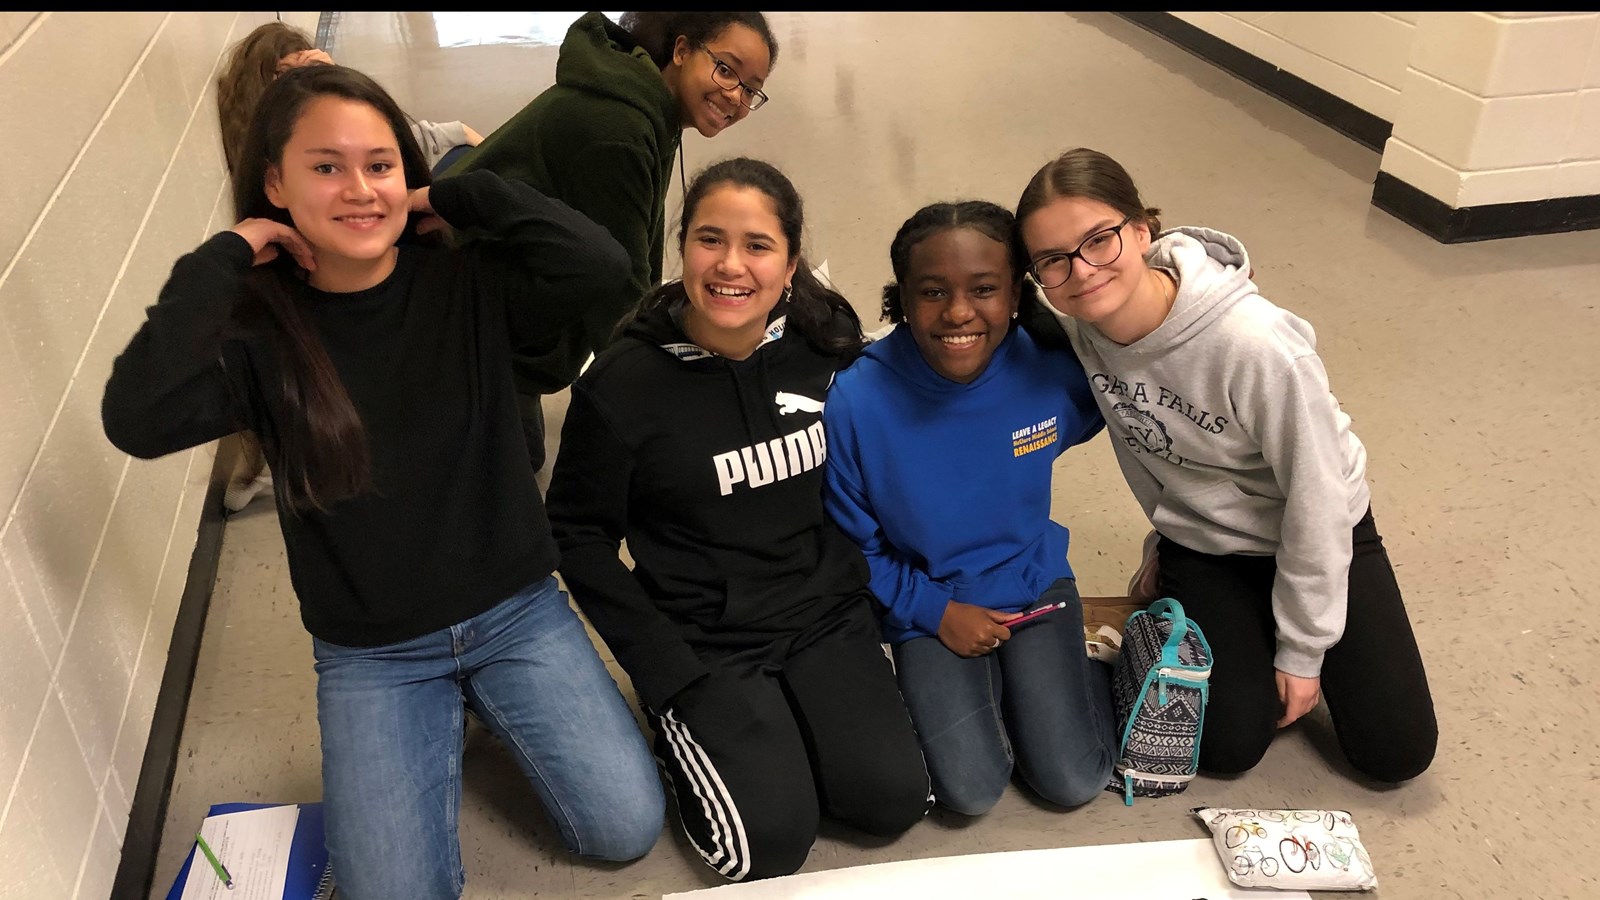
[
  {"x": 1226, "y": 429},
  {"x": 745, "y": 620}
]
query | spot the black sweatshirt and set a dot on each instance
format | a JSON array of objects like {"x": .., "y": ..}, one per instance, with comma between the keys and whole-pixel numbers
[
  {"x": 711, "y": 469},
  {"x": 455, "y": 524}
]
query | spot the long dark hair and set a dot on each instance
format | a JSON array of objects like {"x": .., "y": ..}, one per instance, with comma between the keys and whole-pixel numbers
[
  {"x": 318, "y": 450},
  {"x": 657, "y": 32},
  {"x": 1081, "y": 172},
  {"x": 988, "y": 219},
  {"x": 814, "y": 308},
  {"x": 252, "y": 65}
]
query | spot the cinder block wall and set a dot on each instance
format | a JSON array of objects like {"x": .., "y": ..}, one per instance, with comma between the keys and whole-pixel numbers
[
  {"x": 1487, "y": 107},
  {"x": 113, "y": 170}
]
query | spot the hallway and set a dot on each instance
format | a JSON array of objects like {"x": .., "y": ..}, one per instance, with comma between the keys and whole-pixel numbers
[{"x": 1468, "y": 370}]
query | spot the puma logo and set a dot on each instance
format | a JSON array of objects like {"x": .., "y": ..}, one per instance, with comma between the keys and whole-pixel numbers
[{"x": 793, "y": 403}]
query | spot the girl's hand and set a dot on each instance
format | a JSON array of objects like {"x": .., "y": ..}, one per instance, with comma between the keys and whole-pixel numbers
[
  {"x": 420, "y": 203},
  {"x": 302, "y": 58},
  {"x": 973, "y": 630},
  {"x": 267, "y": 236},
  {"x": 1298, "y": 696}
]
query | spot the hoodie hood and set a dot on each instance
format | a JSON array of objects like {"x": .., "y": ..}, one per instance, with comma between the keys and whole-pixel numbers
[
  {"x": 663, "y": 327},
  {"x": 899, "y": 352},
  {"x": 750, "y": 379},
  {"x": 600, "y": 57},
  {"x": 1212, "y": 270}
]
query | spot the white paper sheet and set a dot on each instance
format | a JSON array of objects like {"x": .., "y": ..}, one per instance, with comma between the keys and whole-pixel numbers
[
  {"x": 253, "y": 846},
  {"x": 1160, "y": 870}
]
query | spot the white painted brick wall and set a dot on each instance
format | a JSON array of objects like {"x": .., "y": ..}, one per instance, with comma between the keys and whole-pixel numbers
[
  {"x": 118, "y": 173},
  {"x": 1487, "y": 107}
]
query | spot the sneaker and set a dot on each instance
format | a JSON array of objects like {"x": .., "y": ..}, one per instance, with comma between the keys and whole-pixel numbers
[
  {"x": 240, "y": 493},
  {"x": 1143, "y": 586}
]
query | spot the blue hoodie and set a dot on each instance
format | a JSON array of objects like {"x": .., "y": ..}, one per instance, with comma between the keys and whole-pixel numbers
[{"x": 946, "y": 486}]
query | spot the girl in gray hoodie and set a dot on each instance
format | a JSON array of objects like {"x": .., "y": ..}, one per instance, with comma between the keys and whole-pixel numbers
[{"x": 1227, "y": 431}]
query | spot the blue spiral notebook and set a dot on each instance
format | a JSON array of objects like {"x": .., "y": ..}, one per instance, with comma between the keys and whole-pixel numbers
[{"x": 310, "y": 877}]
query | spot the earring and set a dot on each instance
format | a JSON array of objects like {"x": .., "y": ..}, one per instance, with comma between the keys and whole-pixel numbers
[
  {"x": 1013, "y": 314},
  {"x": 788, "y": 290}
]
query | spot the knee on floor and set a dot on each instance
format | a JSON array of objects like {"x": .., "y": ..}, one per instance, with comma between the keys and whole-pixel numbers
[
  {"x": 971, "y": 796},
  {"x": 886, "y": 803},
  {"x": 1071, "y": 786},
  {"x": 1398, "y": 760},
  {"x": 774, "y": 848},
  {"x": 628, "y": 833},
  {"x": 1231, "y": 752}
]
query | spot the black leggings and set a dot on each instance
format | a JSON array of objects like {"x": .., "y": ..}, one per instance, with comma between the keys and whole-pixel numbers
[
  {"x": 1372, "y": 679},
  {"x": 778, "y": 735}
]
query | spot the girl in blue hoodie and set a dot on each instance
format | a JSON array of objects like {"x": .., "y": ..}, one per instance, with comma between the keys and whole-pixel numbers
[
  {"x": 941, "y": 440},
  {"x": 1230, "y": 437}
]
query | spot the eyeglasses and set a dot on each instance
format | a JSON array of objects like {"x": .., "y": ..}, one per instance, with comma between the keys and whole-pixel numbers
[
  {"x": 1099, "y": 249},
  {"x": 727, "y": 79}
]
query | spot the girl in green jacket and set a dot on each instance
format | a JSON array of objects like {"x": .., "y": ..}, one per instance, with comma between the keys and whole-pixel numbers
[{"x": 602, "y": 140}]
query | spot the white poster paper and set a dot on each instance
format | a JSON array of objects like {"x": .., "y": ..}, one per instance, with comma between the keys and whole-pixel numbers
[{"x": 1159, "y": 870}]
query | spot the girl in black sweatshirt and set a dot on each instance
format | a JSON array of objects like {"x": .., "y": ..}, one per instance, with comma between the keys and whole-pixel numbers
[
  {"x": 745, "y": 623},
  {"x": 376, "y": 368}
]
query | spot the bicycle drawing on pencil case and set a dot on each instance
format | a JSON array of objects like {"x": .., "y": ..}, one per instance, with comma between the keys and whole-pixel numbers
[
  {"x": 1341, "y": 852},
  {"x": 1297, "y": 853},
  {"x": 1237, "y": 835},
  {"x": 1252, "y": 858}
]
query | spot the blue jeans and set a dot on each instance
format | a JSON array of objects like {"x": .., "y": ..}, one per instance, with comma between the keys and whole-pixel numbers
[
  {"x": 392, "y": 728},
  {"x": 450, "y": 158},
  {"x": 1038, "y": 700}
]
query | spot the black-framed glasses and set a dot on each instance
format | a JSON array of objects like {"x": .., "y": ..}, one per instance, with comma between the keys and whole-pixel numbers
[
  {"x": 1099, "y": 249},
  {"x": 727, "y": 79}
]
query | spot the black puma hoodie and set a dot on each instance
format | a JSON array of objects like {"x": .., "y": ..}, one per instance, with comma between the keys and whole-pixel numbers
[{"x": 711, "y": 470}]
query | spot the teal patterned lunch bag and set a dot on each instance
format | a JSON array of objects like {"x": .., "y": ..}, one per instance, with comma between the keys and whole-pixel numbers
[{"x": 1160, "y": 688}]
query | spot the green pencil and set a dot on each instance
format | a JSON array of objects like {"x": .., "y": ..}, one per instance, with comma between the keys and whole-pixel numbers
[{"x": 216, "y": 864}]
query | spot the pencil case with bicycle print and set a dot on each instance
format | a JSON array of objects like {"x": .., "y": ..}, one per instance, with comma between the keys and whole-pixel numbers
[{"x": 1290, "y": 849}]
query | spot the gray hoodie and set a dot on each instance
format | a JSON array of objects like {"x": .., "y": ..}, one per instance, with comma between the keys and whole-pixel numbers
[
  {"x": 438, "y": 138},
  {"x": 1228, "y": 434}
]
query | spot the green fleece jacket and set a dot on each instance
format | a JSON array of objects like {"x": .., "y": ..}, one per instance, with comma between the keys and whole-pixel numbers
[{"x": 601, "y": 140}]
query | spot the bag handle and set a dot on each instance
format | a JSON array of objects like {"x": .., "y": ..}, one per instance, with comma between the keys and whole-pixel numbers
[{"x": 1171, "y": 610}]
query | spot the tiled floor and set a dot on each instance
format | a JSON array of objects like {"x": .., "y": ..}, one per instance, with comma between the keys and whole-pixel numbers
[{"x": 1470, "y": 372}]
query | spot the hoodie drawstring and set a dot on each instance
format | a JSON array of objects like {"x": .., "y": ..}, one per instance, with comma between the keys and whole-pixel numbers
[
  {"x": 744, "y": 405},
  {"x": 681, "y": 179}
]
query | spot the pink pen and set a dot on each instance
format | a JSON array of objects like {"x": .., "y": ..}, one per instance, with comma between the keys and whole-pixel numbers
[{"x": 1027, "y": 617}]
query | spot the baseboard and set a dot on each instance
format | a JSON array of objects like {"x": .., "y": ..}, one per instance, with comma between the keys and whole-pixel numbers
[
  {"x": 1333, "y": 111},
  {"x": 1450, "y": 225},
  {"x": 148, "y": 815},
  {"x": 1426, "y": 213}
]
